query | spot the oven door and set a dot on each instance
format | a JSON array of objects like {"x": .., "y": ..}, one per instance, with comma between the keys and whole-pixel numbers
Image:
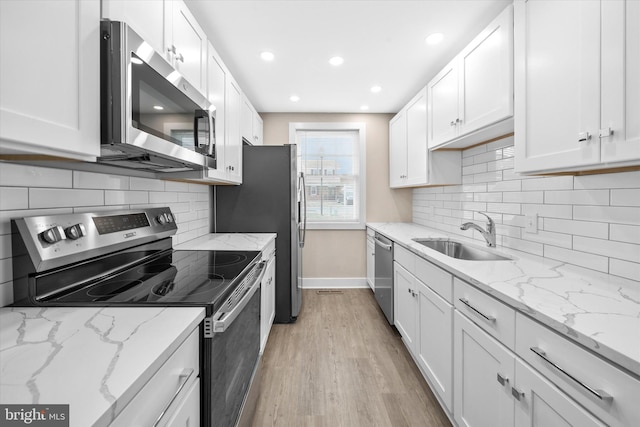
[{"x": 233, "y": 358}]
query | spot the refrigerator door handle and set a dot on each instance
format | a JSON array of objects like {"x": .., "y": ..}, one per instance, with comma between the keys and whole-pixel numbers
[{"x": 302, "y": 208}]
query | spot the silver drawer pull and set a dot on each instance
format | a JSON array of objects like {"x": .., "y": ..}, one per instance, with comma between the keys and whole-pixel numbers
[
  {"x": 518, "y": 394},
  {"x": 502, "y": 379},
  {"x": 602, "y": 395},
  {"x": 584, "y": 136},
  {"x": 484, "y": 316},
  {"x": 184, "y": 379}
]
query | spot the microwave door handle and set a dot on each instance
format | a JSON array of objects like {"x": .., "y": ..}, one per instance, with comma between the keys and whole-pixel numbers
[
  {"x": 199, "y": 114},
  {"x": 212, "y": 136}
]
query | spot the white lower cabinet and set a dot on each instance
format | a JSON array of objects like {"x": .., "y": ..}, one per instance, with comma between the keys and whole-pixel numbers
[
  {"x": 172, "y": 394},
  {"x": 405, "y": 318},
  {"x": 371, "y": 259},
  {"x": 268, "y": 294},
  {"x": 483, "y": 372},
  {"x": 541, "y": 404},
  {"x": 435, "y": 343}
]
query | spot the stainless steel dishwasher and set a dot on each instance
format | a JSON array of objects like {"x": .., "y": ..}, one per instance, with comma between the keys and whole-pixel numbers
[{"x": 383, "y": 282}]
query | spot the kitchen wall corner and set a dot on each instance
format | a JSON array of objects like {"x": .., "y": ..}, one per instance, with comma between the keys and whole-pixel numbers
[{"x": 31, "y": 190}]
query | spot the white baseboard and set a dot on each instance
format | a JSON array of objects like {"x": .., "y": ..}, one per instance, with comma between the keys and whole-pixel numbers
[{"x": 334, "y": 282}]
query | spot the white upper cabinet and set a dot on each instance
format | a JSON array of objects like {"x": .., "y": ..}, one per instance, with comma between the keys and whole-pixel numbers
[
  {"x": 251, "y": 123},
  {"x": 145, "y": 17},
  {"x": 577, "y": 85},
  {"x": 185, "y": 43},
  {"x": 471, "y": 99},
  {"x": 50, "y": 85},
  {"x": 233, "y": 135},
  {"x": 410, "y": 162}
]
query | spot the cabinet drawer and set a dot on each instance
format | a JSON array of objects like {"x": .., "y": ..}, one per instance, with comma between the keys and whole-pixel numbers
[
  {"x": 497, "y": 319},
  {"x": 575, "y": 370},
  {"x": 436, "y": 278},
  {"x": 179, "y": 372},
  {"x": 404, "y": 257}
]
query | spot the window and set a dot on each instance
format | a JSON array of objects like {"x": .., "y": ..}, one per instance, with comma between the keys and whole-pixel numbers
[{"x": 332, "y": 158}]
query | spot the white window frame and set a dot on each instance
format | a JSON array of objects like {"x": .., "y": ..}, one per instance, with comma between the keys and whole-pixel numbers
[{"x": 362, "y": 179}]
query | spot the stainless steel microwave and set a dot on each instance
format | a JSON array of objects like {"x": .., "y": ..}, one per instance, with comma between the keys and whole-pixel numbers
[{"x": 152, "y": 118}]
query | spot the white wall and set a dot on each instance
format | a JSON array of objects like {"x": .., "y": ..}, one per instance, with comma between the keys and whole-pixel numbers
[
  {"x": 29, "y": 190},
  {"x": 592, "y": 221}
]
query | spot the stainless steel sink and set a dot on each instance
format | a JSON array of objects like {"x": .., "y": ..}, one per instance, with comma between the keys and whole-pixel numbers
[{"x": 460, "y": 250}]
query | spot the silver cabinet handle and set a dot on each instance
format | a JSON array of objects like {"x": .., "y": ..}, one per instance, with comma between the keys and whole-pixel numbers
[
  {"x": 478, "y": 312},
  {"x": 185, "y": 376},
  {"x": 502, "y": 379},
  {"x": 518, "y": 394},
  {"x": 180, "y": 58},
  {"x": 602, "y": 395},
  {"x": 604, "y": 133},
  {"x": 453, "y": 123},
  {"x": 584, "y": 136}
]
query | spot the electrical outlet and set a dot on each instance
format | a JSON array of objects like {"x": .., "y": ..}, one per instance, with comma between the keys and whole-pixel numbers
[{"x": 531, "y": 223}]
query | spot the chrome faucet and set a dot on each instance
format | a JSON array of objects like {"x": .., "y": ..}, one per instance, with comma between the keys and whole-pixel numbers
[{"x": 489, "y": 235}]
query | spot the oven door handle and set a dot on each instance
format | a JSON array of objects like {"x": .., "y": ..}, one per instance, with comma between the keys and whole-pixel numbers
[{"x": 221, "y": 325}]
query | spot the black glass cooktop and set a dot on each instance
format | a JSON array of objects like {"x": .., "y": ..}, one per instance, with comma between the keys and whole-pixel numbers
[{"x": 202, "y": 278}]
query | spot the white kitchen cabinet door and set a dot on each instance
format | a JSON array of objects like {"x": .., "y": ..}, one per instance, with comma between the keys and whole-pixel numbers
[
  {"x": 187, "y": 413},
  {"x": 443, "y": 113},
  {"x": 541, "y": 404},
  {"x": 216, "y": 80},
  {"x": 267, "y": 300},
  {"x": 50, "y": 85},
  {"x": 257, "y": 129},
  {"x": 405, "y": 318},
  {"x": 185, "y": 43},
  {"x": 417, "y": 151},
  {"x": 233, "y": 137},
  {"x": 483, "y": 374},
  {"x": 620, "y": 81},
  {"x": 398, "y": 149},
  {"x": 145, "y": 17},
  {"x": 557, "y": 82},
  {"x": 371, "y": 262},
  {"x": 486, "y": 76},
  {"x": 435, "y": 343}
]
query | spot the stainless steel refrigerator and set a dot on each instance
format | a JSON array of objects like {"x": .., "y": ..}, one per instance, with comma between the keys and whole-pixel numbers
[{"x": 271, "y": 199}]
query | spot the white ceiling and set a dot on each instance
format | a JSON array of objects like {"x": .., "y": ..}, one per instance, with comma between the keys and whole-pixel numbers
[{"x": 382, "y": 43}]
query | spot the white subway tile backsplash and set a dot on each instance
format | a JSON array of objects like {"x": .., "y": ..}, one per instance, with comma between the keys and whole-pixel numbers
[
  {"x": 30, "y": 191},
  {"x": 100, "y": 180},
  {"x": 14, "y": 175},
  {"x": 583, "y": 259},
  {"x": 598, "y": 230},
  {"x": 612, "y": 214},
  {"x": 630, "y": 270},
  {"x": 625, "y": 233},
  {"x": 56, "y": 197},
  {"x": 626, "y": 197},
  {"x": 589, "y": 221},
  {"x": 14, "y": 198},
  {"x": 610, "y": 248},
  {"x": 577, "y": 197},
  {"x": 606, "y": 181}
]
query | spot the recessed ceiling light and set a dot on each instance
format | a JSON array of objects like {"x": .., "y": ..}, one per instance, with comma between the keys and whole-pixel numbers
[
  {"x": 364, "y": 107},
  {"x": 158, "y": 107},
  {"x": 135, "y": 60},
  {"x": 376, "y": 89},
  {"x": 267, "y": 56},
  {"x": 434, "y": 38},
  {"x": 294, "y": 98},
  {"x": 336, "y": 60}
]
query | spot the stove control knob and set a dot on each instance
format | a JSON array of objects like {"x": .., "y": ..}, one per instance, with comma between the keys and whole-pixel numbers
[
  {"x": 75, "y": 231},
  {"x": 53, "y": 235},
  {"x": 170, "y": 218},
  {"x": 161, "y": 219}
]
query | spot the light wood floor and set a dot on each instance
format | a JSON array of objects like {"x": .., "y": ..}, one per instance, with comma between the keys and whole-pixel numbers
[{"x": 341, "y": 364}]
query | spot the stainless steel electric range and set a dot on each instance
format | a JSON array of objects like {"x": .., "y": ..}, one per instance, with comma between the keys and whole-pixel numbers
[{"x": 125, "y": 258}]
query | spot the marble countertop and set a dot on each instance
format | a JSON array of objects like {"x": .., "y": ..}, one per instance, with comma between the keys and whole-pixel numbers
[
  {"x": 600, "y": 311},
  {"x": 94, "y": 359},
  {"x": 229, "y": 242}
]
